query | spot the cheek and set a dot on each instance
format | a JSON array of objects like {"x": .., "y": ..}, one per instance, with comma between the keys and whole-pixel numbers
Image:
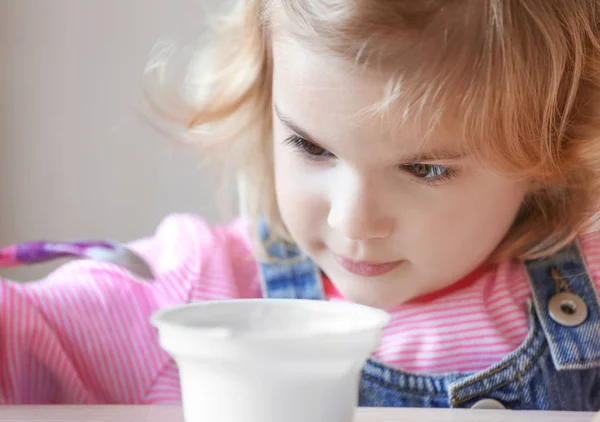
[
  {"x": 288, "y": 175},
  {"x": 468, "y": 224},
  {"x": 300, "y": 195}
]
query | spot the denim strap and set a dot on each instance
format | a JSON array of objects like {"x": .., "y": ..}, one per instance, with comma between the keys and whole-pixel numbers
[
  {"x": 288, "y": 273},
  {"x": 571, "y": 347}
]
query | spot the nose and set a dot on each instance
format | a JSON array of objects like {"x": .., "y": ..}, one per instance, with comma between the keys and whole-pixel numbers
[{"x": 357, "y": 211}]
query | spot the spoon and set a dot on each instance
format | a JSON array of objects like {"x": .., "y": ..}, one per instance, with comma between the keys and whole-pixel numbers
[{"x": 37, "y": 252}]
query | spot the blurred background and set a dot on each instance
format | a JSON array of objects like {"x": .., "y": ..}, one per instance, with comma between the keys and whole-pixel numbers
[{"x": 77, "y": 160}]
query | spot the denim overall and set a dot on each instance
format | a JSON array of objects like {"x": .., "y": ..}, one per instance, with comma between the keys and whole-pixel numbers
[{"x": 556, "y": 368}]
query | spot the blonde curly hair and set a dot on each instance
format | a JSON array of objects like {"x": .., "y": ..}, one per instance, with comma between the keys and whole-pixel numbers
[{"x": 523, "y": 77}]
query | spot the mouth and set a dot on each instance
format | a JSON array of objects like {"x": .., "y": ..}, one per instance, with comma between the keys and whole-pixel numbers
[{"x": 366, "y": 269}]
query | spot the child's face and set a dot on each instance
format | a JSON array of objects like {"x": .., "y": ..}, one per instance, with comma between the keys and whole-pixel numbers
[{"x": 355, "y": 188}]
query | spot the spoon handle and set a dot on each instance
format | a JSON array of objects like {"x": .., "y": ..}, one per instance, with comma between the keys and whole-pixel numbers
[{"x": 37, "y": 252}]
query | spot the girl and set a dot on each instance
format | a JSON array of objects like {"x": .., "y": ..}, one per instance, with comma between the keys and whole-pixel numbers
[{"x": 438, "y": 159}]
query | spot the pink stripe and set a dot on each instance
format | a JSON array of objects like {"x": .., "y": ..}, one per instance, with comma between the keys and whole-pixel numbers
[
  {"x": 466, "y": 340},
  {"x": 471, "y": 302},
  {"x": 452, "y": 352},
  {"x": 477, "y": 322},
  {"x": 434, "y": 316},
  {"x": 445, "y": 346}
]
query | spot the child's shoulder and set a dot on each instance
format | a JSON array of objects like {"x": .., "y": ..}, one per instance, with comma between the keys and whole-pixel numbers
[
  {"x": 215, "y": 261},
  {"x": 191, "y": 259},
  {"x": 188, "y": 239}
]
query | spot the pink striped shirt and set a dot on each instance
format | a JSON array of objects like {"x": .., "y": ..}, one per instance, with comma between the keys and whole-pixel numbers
[{"x": 82, "y": 335}]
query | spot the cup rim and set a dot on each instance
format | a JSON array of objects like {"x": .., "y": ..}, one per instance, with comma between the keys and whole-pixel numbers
[{"x": 164, "y": 319}]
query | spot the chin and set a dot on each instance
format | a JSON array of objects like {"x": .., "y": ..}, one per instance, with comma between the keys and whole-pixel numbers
[{"x": 385, "y": 293}]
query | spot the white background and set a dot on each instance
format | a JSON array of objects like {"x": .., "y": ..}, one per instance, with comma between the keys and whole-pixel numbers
[{"x": 76, "y": 159}]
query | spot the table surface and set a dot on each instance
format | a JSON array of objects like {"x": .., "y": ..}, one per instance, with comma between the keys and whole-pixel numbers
[{"x": 173, "y": 414}]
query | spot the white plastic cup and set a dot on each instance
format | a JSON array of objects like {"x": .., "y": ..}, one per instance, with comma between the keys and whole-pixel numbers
[{"x": 269, "y": 360}]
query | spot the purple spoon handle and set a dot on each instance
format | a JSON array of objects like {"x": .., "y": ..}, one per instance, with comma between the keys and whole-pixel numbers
[{"x": 37, "y": 252}]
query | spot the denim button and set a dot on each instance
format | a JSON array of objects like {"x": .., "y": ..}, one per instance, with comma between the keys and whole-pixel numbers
[
  {"x": 488, "y": 404},
  {"x": 567, "y": 309}
]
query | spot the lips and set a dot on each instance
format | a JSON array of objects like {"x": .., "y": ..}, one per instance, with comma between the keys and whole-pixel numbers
[{"x": 367, "y": 269}]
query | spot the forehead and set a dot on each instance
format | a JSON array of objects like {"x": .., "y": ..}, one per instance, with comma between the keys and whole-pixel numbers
[
  {"x": 303, "y": 76},
  {"x": 329, "y": 96}
]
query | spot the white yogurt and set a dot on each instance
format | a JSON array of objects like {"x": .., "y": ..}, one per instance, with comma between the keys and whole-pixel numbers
[{"x": 269, "y": 360}]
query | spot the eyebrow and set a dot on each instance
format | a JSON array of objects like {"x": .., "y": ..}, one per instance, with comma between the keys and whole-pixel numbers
[
  {"x": 431, "y": 155},
  {"x": 294, "y": 127},
  {"x": 435, "y": 155}
]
